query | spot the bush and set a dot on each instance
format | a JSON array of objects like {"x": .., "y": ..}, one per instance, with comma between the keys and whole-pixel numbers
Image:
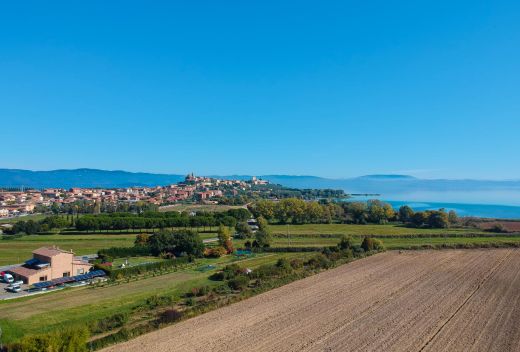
[
  {"x": 296, "y": 263},
  {"x": 109, "y": 323},
  {"x": 284, "y": 265},
  {"x": 170, "y": 316},
  {"x": 319, "y": 261},
  {"x": 346, "y": 242},
  {"x": 229, "y": 272},
  {"x": 68, "y": 339},
  {"x": 216, "y": 252},
  {"x": 499, "y": 228},
  {"x": 239, "y": 283},
  {"x": 367, "y": 244},
  {"x": 199, "y": 291}
]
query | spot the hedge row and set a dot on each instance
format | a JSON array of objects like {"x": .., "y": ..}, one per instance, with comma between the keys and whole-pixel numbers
[
  {"x": 463, "y": 245},
  {"x": 418, "y": 235},
  {"x": 150, "y": 267},
  {"x": 122, "y": 252},
  {"x": 290, "y": 249}
]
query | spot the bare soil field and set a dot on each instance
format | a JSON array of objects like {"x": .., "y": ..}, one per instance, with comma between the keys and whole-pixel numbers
[
  {"x": 449, "y": 300},
  {"x": 509, "y": 226}
]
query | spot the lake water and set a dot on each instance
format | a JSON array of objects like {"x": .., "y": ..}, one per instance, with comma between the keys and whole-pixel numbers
[{"x": 504, "y": 205}]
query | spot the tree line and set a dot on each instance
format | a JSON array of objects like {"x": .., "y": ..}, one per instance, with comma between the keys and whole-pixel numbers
[
  {"x": 158, "y": 220},
  {"x": 31, "y": 227},
  {"x": 298, "y": 211}
]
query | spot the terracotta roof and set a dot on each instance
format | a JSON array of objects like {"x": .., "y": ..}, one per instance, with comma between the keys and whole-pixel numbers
[
  {"x": 23, "y": 271},
  {"x": 49, "y": 251}
]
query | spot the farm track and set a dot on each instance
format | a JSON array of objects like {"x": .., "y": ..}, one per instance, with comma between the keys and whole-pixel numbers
[{"x": 460, "y": 300}]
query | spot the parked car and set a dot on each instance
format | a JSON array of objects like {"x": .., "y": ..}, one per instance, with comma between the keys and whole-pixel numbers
[
  {"x": 13, "y": 289},
  {"x": 8, "y": 278},
  {"x": 17, "y": 283}
]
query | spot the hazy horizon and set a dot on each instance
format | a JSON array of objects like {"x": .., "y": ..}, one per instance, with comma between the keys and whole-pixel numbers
[{"x": 212, "y": 174}]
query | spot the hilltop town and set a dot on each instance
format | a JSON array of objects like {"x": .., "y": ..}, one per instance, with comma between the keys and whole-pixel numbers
[{"x": 194, "y": 189}]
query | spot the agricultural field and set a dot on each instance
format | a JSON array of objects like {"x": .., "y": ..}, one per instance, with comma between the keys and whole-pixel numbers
[
  {"x": 509, "y": 226},
  {"x": 17, "y": 250},
  {"x": 453, "y": 300},
  {"x": 392, "y": 242},
  {"x": 365, "y": 230}
]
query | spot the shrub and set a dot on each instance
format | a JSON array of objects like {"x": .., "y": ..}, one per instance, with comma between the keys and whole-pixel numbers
[
  {"x": 296, "y": 263},
  {"x": 68, "y": 339},
  {"x": 319, "y": 261},
  {"x": 170, "y": 316},
  {"x": 109, "y": 323},
  {"x": 198, "y": 291},
  {"x": 499, "y": 228},
  {"x": 346, "y": 242},
  {"x": 190, "y": 301},
  {"x": 239, "y": 283},
  {"x": 218, "y": 276},
  {"x": 284, "y": 265},
  {"x": 378, "y": 245},
  {"x": 367, "y": 244},
  {"x": 216, "y": 252}
]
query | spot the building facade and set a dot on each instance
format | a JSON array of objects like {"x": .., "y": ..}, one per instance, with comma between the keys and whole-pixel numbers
[{"x": 50, "y": 263}]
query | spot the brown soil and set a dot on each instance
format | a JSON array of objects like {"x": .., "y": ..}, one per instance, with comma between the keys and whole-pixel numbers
[
  {"x": 509, "y": 226},
  {"x": 412, "y": 301}
]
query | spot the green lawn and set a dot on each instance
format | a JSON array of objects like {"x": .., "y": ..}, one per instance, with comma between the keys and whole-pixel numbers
[
  {"x": 14, "y": 251},
  {"x": 35, "y": 217},
  {"x": 350, "y": 229},
  {"x": 67, "y": 307},
  {"x": 135, "y": 261}
]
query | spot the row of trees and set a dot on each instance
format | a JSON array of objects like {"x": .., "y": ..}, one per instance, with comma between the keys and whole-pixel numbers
[
  {"x": 31, "y": 227},
  {"x": 297, "y": 211},
  {"x": 157, "y": 220}
]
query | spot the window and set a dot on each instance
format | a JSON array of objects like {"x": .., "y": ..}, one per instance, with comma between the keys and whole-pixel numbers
[
  {"x": 66, "y": 274},
  {"x": 80, "y": 271},
  {"x": 43, "y": 278}
]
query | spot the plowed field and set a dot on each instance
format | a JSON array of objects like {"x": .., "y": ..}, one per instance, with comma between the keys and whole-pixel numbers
[{"x": 458, "y": 300}]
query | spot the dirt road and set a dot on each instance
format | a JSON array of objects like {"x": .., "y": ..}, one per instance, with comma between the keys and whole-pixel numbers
[{"x": 456, "y": 300}]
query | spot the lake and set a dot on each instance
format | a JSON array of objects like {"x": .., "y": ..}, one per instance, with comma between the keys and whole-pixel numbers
[{"x": 504, "y": 205}]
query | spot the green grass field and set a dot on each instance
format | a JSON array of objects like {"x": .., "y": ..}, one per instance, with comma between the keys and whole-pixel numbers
[
  {"x": 67, "y": 307},
  {"x": 350, "y": 229},
  {"x": 35, "y": 217}
]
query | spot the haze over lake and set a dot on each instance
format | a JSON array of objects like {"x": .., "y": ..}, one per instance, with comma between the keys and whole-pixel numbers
[{"x": 492, "y": 204}]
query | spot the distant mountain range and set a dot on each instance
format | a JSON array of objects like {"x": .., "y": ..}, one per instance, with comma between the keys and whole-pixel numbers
[{"x": 382, "y": 184}]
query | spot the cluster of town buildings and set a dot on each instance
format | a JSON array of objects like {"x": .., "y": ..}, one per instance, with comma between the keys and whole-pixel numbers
[{"x": 194, "y": 188}]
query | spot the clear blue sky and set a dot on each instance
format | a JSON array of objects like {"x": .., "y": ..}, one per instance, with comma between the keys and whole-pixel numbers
[{"x": 337, "y": 88}]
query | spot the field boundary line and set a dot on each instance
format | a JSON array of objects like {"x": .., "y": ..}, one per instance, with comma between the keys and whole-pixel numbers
[{"x": 479, "y": 285}]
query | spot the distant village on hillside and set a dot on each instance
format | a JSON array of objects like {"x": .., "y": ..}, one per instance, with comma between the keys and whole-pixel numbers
[{"x": 196, "y": 189}]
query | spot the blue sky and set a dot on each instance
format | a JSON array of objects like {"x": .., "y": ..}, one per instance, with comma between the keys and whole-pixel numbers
[{"x": 332, "y": 88}]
